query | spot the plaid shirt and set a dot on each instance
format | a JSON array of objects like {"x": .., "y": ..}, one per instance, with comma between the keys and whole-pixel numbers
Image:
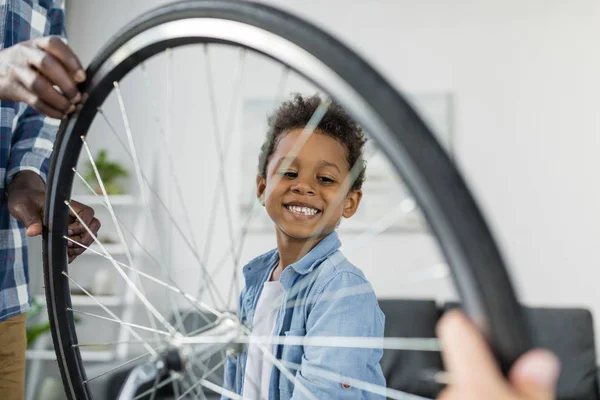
[{"x": 26, "y": 140}]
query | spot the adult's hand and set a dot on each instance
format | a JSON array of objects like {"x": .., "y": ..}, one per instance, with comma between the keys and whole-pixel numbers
[
  {"x": 29, "y": 72},
  {"x": 474, "y": 375},
  {"x": 26, "y": 195}
]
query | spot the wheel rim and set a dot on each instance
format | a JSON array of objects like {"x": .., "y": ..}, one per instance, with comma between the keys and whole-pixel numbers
[{"x": 175, "y": 33}]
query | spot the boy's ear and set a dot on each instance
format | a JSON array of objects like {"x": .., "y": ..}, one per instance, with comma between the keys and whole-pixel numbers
[
  {"x": 261, "y": 185},
  {"x": 351, "y": 203}
]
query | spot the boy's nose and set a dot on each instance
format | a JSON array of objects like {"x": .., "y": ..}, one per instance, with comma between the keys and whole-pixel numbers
[{"x": 303, "y": 189}]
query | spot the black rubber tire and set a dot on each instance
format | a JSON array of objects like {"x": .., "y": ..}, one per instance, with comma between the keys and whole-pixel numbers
[{"x": 477, "y": 266}]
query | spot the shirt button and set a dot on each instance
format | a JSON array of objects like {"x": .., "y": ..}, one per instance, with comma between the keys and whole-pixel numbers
[{"x": 346, "y": 385}]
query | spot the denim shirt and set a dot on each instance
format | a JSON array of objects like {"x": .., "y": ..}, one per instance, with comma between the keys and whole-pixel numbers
[{"x": 324, "y": 295}]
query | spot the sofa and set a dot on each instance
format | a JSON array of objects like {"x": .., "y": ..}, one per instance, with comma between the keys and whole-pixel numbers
[{"x": 568, "y": 332}]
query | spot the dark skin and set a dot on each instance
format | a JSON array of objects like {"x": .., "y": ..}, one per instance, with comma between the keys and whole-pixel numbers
[
  {"x": 28, "y": 73},
  {"x": 26, "y": 195},
  {"x": 29, "y": 70},
  {"x": 312, "y": 183}
]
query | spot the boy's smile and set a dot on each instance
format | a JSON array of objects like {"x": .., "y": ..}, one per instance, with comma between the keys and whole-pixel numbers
[
  {"x": 308, "y": 189},
  {"x": 302, "y": 210}
]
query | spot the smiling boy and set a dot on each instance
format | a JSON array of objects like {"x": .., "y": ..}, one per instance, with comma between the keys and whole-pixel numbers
[{"x": 306, "y": 288}]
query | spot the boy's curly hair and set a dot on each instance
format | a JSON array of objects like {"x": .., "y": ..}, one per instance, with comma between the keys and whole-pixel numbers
[{"x": 336, "y": 123}]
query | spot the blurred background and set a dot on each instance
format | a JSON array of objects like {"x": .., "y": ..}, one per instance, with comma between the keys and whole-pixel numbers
[{"x": 511, "y": 87}]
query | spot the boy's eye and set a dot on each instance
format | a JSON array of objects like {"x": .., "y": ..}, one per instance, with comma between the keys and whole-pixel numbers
[
  {"x": 290, "y": 174},
  {"x": 326, "y": 179}
]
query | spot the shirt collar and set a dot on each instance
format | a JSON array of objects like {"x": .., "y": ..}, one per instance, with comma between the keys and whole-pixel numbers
[
  {"x": 260, "y": 266},
  {"x": 322, "y": 250}
]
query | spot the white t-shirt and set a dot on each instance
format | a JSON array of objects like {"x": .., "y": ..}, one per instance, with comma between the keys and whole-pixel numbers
[{"x": 258, "y": 367}]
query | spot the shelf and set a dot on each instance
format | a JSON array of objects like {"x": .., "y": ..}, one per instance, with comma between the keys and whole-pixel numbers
[
  {"x": 86, "y": 355},
  {"x": 114, "y": 249},
  {"x": 84, "y": 300},
  {"x": 115, "y": 200}
]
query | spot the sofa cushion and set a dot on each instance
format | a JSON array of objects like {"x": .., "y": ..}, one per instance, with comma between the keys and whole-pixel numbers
[
  {"x": 411, "y": 371},
  {"x": 569, "y": 333}
]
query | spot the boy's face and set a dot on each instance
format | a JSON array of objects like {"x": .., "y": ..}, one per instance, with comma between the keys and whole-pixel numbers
[{"x": 310, "y": 189}]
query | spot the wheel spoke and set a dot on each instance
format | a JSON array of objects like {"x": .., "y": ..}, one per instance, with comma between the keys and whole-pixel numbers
[
  {"x": 145, "y": 250},
  {"x": 384, "y": 223},
  {"x": 331, "y": 209},
  {"x": 357, "y": 383},
  {"x": 198, "y": 390},
  {"x": 216, "y": 388},
  {"x": 86, "y": 183},
  {"x": 116, "y": 222},
  {"x": 202, "y": 366},
  {"x": 241, "y": 239},
  {"x": 214, "y": 369},
  {"x": 143, "y": 179},
  {"x": 116, "y": 343},
  {"x": 248, "y": 379},
  {"x": 132, "y": 148},
  {"x": 154, "y": 387},
  {"x": 193, "y": 387},
  {"x": 200, "y": 306},
  {"x": 118, "y": 321},
  {"x": 238, "y": 83},
  {"x": 165, "y": 137},
  {"x": 437, "y": 271},
  {"x": 159, "y": 386},
  {"x": 120, "y": 366},
  {"x": 165, "y": 133},
  {"x": 175, "y": 383},
  {"x": 307, "y": 132},
  {"x": 222, "y": 158},
  {"x": 285, "y": 74},
  {"x": 111, "y": 127},
  {"x": 202, "y": 329},
  {"x": 358, "y": 342},
  {"x": 338, "y": 199},
  {"x": 128, "y": 280},
  {"x": 109, "y": 312},
  {"x": 174, "y": 179},
  {"x": 285, "y": 371},
  {"x": 304, "y": 136},
  {"x": 174, "y": 223}
]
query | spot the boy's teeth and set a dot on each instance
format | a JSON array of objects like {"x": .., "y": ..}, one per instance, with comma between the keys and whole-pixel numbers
[{"x": 303, "y": 210}]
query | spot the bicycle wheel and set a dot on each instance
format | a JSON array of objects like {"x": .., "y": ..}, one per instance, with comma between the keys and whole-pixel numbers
[{"x": 274, "y": 37}]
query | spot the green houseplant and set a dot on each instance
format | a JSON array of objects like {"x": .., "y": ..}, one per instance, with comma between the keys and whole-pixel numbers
[
  {"x": 110, "y": 172},
  {"x": 36, "y": 330}
]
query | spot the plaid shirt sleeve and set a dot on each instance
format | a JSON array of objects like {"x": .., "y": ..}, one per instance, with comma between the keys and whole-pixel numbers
[
  {"x": 26, "y": 142},
  {"x": 34, "y": 133}
]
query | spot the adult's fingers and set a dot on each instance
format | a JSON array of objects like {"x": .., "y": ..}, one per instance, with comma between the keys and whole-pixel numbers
[
  {"x": 86, "y": 214},
  {"x": 78, "y": 231},
  {"x": 54, "y": 70},
  {"x": 59, "y": 49},
  {"x": 85, "y": 239},
  {"x": 466, "y": 355},
  {"x": 534, "y": 375},
  {"x": 40, "y": 92},
  {"x": 22, "y": 94}
]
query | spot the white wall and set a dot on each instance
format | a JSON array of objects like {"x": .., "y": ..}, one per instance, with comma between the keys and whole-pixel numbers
[
  {"x": 526, "y": 81},
  {"x": 525, "y": 76}
]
